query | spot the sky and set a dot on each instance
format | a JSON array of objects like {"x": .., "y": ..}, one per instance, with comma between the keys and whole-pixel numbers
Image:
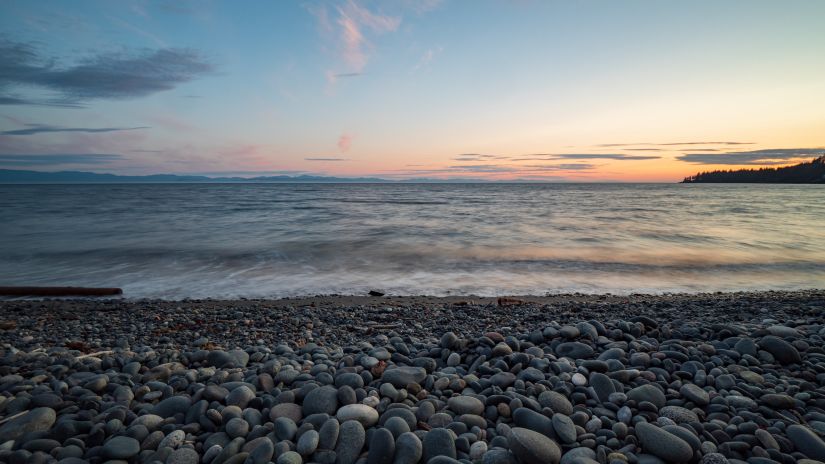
[{"x": 533, "y": 90}]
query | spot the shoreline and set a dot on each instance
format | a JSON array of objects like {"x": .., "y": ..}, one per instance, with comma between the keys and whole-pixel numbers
[{"x": 619, "y": 379}]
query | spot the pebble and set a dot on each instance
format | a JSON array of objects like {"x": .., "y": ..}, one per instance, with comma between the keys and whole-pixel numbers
[
  {"x": 607, "y": 382},
  {"x": 532, "y": 447}
]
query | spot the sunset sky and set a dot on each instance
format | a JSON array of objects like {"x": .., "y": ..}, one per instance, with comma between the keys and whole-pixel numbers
[{"x": 551, "y": 90}]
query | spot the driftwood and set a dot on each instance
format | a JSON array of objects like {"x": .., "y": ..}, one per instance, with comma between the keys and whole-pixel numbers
[{"x": 59, "y": 291}]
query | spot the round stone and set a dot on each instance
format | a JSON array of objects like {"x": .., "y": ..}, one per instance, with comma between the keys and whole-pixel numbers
[
  {"x": 362, "y": 413},
  {"x": 289, "y": 410},
  {"x": 694, "y": 393},
  {"x": 532, "y": 447},
  {"x": 307, "y": 443},
  {"x": 439, "y": 442},
  {"x": 321, "y": 400},
  {"x": 556, "y": 401},
  {"x": 408, "y": 449},
  {"x": 649, "y": 393},
  {"x": 405, "y": 375},
  {"x": 350, "y": 442},
  {"x": 183, "y": 456},
  {"x": 382, "y": 447},
  {"x": 574, "y": 350},
  {"x": 36, "y": 420},
  {"x": 120, "y": 447},
  {"x": 290, "y": 457},
  {"x": 466, "y": 405},
  {"x": 807, "y": 442},
  {"x": 564, "y": 427},
  {"x": 662, "y": 443},
  {"x": 781, "y": 350}
]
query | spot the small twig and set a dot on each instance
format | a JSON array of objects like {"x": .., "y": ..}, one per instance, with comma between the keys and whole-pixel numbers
[
  {"x": 94, "y": 354},
  {"x": 12, "y": 417}
]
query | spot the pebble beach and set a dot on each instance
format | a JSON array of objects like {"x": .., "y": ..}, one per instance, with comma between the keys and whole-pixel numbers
[{"x": 570, "y": 379}]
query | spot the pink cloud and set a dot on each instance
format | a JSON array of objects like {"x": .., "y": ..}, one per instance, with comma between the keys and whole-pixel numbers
[
  {"x": 349, "y": 30},
  {"x": 344, "y": 142}
]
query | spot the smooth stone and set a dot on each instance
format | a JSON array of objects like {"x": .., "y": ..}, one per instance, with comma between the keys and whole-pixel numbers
[
  {"x": 574, "y": 350},
  {"x": 556, "y": 401},
  {"x": 350, "y": 442},
  {"x": 289, "y": 410},
  {"x": 781, "y": 350},
  {"x": 240, "y": 397},
  {"x": 171, "y": 406},
  {"x": 362, "y": 413},
  {"x": 290, "y": 457},
  {"x": 408, "y": 449},
  {"x": 439, "y": 442},
  {"x": 382, "y": 447},
  {"x": 321, "y": 400},
  {"x": 466, "y": 405},
  {"x": 532, "y": 447},
  {"x": 564, "y": 427},
  {"x": 120, "y": 447},
  {"x": 648, "y": 393},
  {"x": 807, "y": 442},
  {"x": 307, "y": 443},
  {"x": 602, "y": 385},
  {"x": 694, "y": 393},
  {"x": 575, "y": 455},
  {"x": 36, "y": 420},
  {"x": 405, "y": 375},
  {"x": 183, "y": 456},
  {"x": 328, "y": 434},
  {"x": 662, "y": 443},
  {"x": 678, "y": 414}
]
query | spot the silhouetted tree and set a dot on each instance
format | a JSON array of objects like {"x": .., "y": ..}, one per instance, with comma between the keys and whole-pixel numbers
[{"x": 812, "y": 172}]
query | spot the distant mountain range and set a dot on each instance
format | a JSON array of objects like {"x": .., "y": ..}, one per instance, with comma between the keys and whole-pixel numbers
[
  {"x": 812, "y": 172},
  {"x": 11, "y": 176}
]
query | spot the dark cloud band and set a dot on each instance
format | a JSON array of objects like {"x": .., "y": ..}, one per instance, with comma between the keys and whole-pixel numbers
[
  {"x": 755, "y": 157},
  {"x": 57, "y": 159},
  {"x": 103, "y": 76},
  {"x": 32, "y": 129}
]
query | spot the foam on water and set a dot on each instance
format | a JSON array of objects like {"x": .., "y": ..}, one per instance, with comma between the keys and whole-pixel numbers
[{"x": 271, "y": 240}]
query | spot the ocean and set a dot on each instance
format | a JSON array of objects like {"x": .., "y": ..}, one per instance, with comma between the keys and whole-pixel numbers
[{"x": 174, "y": 241}]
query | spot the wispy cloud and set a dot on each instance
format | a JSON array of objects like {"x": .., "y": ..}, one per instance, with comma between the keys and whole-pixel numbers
[
  {"x": 756, "y": 157},
  {"x": 345, "y": 142},
  {"x": 32, "y": 129},
  {"x": 607, "y": 156},
  {"x": 427, "y": 57},
  {"x": 57, "y": 159},
  {"x": 557, "y": 156},
  {"x": 104, "y": 76},
  {"x": 326, "y": 159},
  {"x": 669, "y": 144},
  {"x": 349, "y": 29}
]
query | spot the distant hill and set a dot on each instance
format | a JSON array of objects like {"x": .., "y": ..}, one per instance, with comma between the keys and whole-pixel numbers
[
  {"x": 812, "y": 172},
  {"x": 13, "y": 176}
]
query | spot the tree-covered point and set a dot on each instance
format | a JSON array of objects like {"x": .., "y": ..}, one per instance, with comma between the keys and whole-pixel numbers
[{"x": 812, "y": 172}]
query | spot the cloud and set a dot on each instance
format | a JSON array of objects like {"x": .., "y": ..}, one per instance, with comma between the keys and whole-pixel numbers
[
  {"x": 672, "y": 144},
  {"x": 119, "y": 75},
  {"x": 349, "y": 31},
  {"x": 32, "y": 129},
  {"x": 427, "y": 57},
  {"x": 57, "y": 159},
  {"x": 756, "y": 157},
  {"x": 560, "y": 156},
  {"x": 326, "y": 159},
  {"x": 345, "y": 142},
  {"x": 610, "y": 156}
]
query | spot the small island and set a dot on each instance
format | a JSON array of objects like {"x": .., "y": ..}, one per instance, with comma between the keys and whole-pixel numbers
[{"x": 812, "y": 172}]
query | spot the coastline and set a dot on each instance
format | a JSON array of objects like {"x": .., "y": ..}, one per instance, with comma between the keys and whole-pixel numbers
[{"x": 715, "y": 377}]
